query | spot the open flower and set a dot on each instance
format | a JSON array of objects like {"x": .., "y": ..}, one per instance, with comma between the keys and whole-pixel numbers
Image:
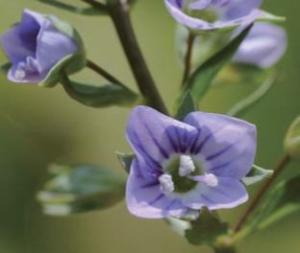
[
  {"x": 264, "y": 46},
  {"x": 36, "y": 45},
  {"x": 185, "y": 166},
  {"x": 214, "y": 14}
]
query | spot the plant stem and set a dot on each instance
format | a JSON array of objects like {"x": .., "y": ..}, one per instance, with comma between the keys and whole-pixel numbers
[
  {"x": 95, "y": 4},
  {"x": 99, "y": 70},
  {"x": 119, "y": 13},
  {"x": 261, "y": 192},
  {"x": 188, "y": 57}
]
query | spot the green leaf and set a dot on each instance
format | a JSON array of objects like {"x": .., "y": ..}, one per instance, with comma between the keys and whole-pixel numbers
[
  {"x": 281, "y": 201},
  {"x": 125, "y": 160},
  {"x": 202, "y": 78},
  {"x": 103, "y": 96},
  {"x": 292, "y": 139},
  {"x": 82, "y": 188},
  {"x": 90, "y": 11},
  {"x": 246, "y": 104},
  {"x": 5, "y": 67},
  {"x": 256, "y": 175},
  {"x": 186, "y": 105},
  {"x": 205, "y": 230}
]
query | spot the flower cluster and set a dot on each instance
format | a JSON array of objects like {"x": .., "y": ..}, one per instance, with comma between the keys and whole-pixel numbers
[{"x": 184, "y": 166}]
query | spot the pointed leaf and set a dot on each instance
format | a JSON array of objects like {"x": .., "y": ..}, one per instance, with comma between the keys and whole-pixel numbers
[
  {"x": 202, "y": 78},
  {"x": 205, "y": 230},
  {"x": 125, "y": 160},
  {"x": 103, "y": 96},
  {"x": 186, "y": 105}
]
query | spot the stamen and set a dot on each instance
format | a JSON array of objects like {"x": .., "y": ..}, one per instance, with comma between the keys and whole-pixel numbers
[
  {"x": 20, "y": 74},
  {"x": 186, "y": 166},
  {"x": 166, "y": 183},
  {"x": 210, "y": 180}
]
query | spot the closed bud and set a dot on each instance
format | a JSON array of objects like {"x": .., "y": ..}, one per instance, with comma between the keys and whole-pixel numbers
[{"x": 292, "y": 139}]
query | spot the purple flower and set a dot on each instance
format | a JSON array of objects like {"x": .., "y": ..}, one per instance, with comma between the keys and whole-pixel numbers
[
  {"x": 185, "y": 166},
  {"x": 264, "y": 46},
  {"x": 214, "y": 14},
  {"x": 35, "y": 46}
]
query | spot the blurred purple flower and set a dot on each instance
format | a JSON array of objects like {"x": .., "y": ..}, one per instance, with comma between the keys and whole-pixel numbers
[
  {"x": 185, "y": 166},
  {"x": 264, "y": 46},
  {"x": 34, "y": 46},
  {"x": 214, "y": 14}
]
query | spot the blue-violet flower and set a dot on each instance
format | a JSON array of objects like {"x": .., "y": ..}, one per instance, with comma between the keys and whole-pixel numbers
[
  {"x": 35, "y": 45},
  {"x": 185, "y": 166}
]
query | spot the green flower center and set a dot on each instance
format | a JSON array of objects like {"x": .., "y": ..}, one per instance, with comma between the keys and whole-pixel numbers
[{"x": 179, "y": 169}]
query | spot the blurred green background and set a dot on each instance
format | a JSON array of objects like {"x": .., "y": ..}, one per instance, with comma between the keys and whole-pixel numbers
[{"x": 41, "y": 126}]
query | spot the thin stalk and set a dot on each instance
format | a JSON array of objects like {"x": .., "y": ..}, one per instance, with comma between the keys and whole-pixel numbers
[
  {"x": 262, "y": 191},
  {"x": 188, "y": 57},
  {"x": 99, "y": 70},
  {"x": 118, "y": 10},
  {"x": 96, "y": 4}
]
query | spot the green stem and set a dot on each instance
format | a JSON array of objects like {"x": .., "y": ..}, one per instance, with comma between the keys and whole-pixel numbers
[
  {"x": 262, "y": 191},
  {"x": 188, "y": 57},
  {"x": 99, "y": 70},
  {"x": 95, "y": 4},
  {"x": 119, "y": 14}
]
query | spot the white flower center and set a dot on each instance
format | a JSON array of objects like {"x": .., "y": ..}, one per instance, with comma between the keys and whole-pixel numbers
[{"x": 210, "y": 180}]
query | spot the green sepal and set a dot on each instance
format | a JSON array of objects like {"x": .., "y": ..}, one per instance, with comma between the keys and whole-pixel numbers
[
  {"x": 125, "y": 160},
  {"x": 292, "y": 139},
  {"x": 81, "y": 188},
  {"x": 256, "y": 175},
  {"x": 185, "y": 106},
  {"x": 205, "y": 230},
  {"x": 100, "y": 96},
  {"x": 270, "y": 18},
  {"x": 5, "y": 67},
  {"x": 201, "y": 79},
  {"x": 88, "y": 11}
]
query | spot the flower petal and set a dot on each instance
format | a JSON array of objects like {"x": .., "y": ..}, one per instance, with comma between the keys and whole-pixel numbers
[
  {"x": 155, "y": 137},
  {"x": 52, "y": 46},
  {"x": 198, "y": 24},
  {"x": 264, "y": 46},
  {"x": 239, "y": 8},
  {"x": 145, "y": 199},
  {"x": 227, "y": 144},
  {"x": 229, "y": 193}
]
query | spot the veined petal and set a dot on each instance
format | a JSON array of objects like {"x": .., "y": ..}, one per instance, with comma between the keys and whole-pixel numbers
[
  {"x": 227, "y": 144},
  {"x": 145, "y": 198},
  {"x": 155, "y": 137},
  {"x": 228, "y": 193},
  {"x": 52, "y": 46}
]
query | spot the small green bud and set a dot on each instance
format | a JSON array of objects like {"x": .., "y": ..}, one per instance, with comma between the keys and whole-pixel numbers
[
  {"x": 292, "y": 139},
  {"x": 80, "y": 189}
]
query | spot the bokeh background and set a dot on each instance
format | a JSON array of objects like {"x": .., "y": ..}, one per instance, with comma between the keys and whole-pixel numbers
[{"x": 40, "y": 126}]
